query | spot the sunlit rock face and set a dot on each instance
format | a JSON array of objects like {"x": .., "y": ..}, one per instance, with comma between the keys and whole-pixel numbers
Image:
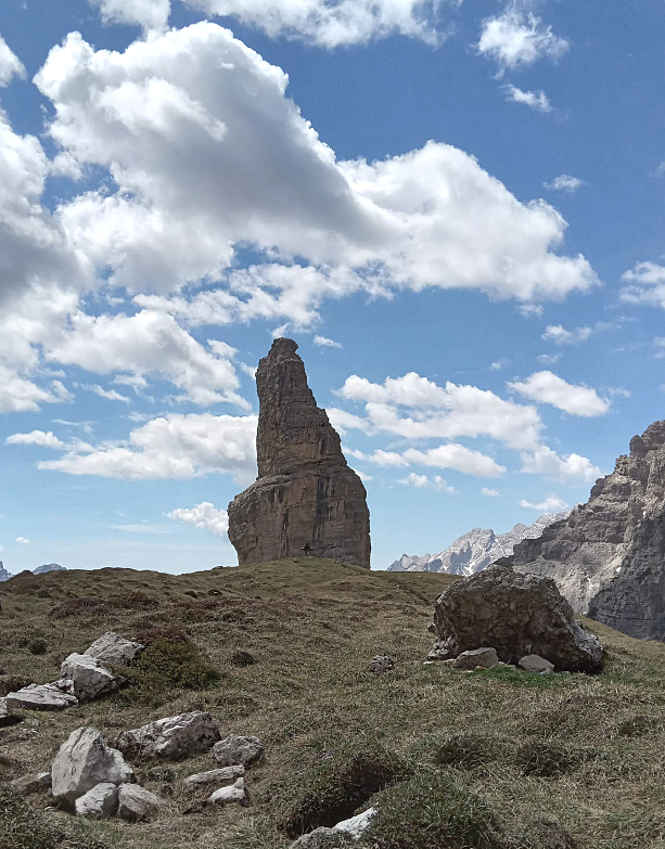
[{"x": 306, "y": 498}]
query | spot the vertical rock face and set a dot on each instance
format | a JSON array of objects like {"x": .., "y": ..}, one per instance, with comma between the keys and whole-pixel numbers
[
  {"x": 305, "y": 493},
  {"x": 608, "y": 557}
]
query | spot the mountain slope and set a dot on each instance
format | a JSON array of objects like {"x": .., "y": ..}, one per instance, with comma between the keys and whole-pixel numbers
[
  {"x": 312, "y": 626},
  {"x": 475, "y": 550}
]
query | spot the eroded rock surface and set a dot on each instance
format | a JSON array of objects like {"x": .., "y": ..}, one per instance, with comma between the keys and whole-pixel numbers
[
  {"x": 305, "y": 494},
  {"x": 89, "y": 679},
  {"x": 100, "y": 801},
  {"x": 237, "y": 749},
  {"x": 517, "y": 615},
  {"x": 608, "y": 557},
  {"x": 114, "y": 650},
  {"x": 40, "y": 697},
  {"x": 137, "y": 804},
  {"x": 174, "y": 737}
]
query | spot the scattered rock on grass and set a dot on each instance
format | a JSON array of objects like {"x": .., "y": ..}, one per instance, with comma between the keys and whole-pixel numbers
[
  {"x": 237, "y": 749},
  {"x": 137, "y": 804},
  {"x": 174, "y": 737},
  {"x": 84, "y": 761},
  {"x": 40, "y": 697},
  {"x": 380, "y": 664},
  {"x": 236, "y": 792},
  {"x": 215, "y": 776},
  {"x": 112, "y": 649},
  {"x": 6, "y": 717},
  {"x": 356, "y": 826},
  {"x": 100, "y": 801},
  {"x": 90, "y": 680},
  {"x": 536, "y": 663},
  {"x": 483, "y": 657}
]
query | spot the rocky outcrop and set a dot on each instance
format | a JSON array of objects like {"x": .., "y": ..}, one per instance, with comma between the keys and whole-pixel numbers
[
  {"x": 517, "y": 615},
  {"x": 4, "y": 574},
  {"x": 89, "y": 679},
  {"x": 608, "y": 557},
  {"x": 41, "y": 697},
  {"x": 475, "y": 550},
  {"x": 48, "y": 567},
  {"x": 112, "y": 649},
  {"x": 306, "y": 498}
]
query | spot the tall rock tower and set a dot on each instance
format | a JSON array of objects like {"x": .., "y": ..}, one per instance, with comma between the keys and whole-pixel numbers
[{"x": 306, "y": 498}]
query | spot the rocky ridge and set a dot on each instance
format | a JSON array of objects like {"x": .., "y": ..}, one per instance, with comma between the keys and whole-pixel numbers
[
  {"x": 306, "y": 498},
  {"x": 4, "y": 574},
  {"x": 475, "y": 550},
  {"x": 608, "y": 556}
]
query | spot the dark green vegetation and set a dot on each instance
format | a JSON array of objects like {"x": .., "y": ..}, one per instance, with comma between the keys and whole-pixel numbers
[{"x": 501, "y": 759}]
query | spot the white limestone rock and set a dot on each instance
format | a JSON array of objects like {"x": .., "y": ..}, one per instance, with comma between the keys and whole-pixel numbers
[
  {"x": 215, "y": 776},
  {"x": 174, "y": 737},
  {"x": 40, "y": 697},
  {"x": 485, "y": 657},
  {"x": 536, "y": 663},
  {"x": 237, "y": 749},
  {"x": 137, "y": 804},
  {"x": 6, "y": 716},
  {"x": 84, "y": 761},
  {"x": 100, "y": 801},
  {"x": 89, "y": 678},
  {"x": 236, "y": 792},
  {"x": 356, "y": 826},
  {"x": 111, "y": 649}
]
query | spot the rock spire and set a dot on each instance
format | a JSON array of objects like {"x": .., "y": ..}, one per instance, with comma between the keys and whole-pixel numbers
[
  {"x": 305, "y": 494},
  {"x": 608, "y": 557}
]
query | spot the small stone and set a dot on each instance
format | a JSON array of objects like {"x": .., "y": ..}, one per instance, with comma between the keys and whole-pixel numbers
[
  {"x": 100, "y": 801},
  {"x": 429, "y": 663},
  {"x": 357, "y": 825},
  {"x": 237, "y": 792},
  {"x": 536, "y": 663},
  {"x": 237, "y": 749},
  {"x": 112, "y": 649},
  {"x": 485, "y": 658},
  {"x": 40, "y": 697},
  {"x": 137, "y": 804},
  {"x": 90, "y": 679},
  {"x": 380, "y": 664},
  {"x": 6, "y": 717},
  {"x": 174, "y": 737},
  {"x": 216, "y": 776}
]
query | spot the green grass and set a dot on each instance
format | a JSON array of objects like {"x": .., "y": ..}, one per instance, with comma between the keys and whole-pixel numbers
[{"x": 586, "y": 753}]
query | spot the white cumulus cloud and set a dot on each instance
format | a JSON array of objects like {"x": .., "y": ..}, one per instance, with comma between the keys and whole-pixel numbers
[
  {"x": 10, "y": 64},
  {"x": 571, "y": 468},
  {"x": 646, "y": 285},
  {"x": 151, "y": 14},
  {"x": 22, "y": 541},
  {"x": 204, "y": 516},
  {"x": 564, "y": 183},
  {"x": 536, "y": 100},
  {"x": 552, "y": 504},
  {"x": 548, "y": 388},
  {"x": 35, "y": 437},
  {"x": 425, "y": 482},
  {"x": 561, "y": 336},
  {"x": 324, "y": 342},
  {"x": 519, "y": 38}
]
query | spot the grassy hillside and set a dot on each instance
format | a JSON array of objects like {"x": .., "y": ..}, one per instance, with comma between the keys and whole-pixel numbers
[{"x": 479, "y": 759}]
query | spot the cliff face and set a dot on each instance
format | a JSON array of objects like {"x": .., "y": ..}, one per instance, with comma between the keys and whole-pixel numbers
[
  {"x": 305, "y": 493},
  {"x": 608, "y": 557}
]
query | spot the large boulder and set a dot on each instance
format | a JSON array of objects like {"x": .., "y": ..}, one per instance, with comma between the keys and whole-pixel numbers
[
  {"x": 516, "y": 614},
  {"x": 100, "y": 801},
  {"x": 113, "y": 650},
  {"x": 40, "y": 697},
  {"x": 306, "y": 498},
  {"x": 89, "y": 679},
  {"x": 84, "y": 761},
  {"x": 137, "y": 804},
  {"x": 174, "y": 737}
]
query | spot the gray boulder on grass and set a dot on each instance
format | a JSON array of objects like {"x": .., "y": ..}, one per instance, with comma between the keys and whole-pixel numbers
[
  {"x": 84, "y": 761},
  {"x": 100, "y": 801},
  {"x": 137, "y": 804},
  {"x": 236, "y": 749},
  {"x": 113, "y": 650},
  {"x": 215, "y": 776},
  {"x": 536, "y": 663},
  {"x": 380, "y": 664},
  {"x": 174, "y": 737},
  {"x": 40, "y": 697},
  {"x": 485, "y": 657},
  {"x": 517, "y": 614},
  {"x": 236, "y": 792},
  {"x": 90, "y": 680}
]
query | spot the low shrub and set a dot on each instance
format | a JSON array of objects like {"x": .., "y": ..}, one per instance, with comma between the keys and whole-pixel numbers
[
  {"x": 334, "y": 788},
  {"x": 432, "y": 811},
  {"x": 81, "y": 606},
  {"x": 545, "y": 758},
  {"x": 467, "y": 750}
]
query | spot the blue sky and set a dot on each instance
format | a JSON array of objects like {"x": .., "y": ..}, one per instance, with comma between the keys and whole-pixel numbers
[{"x": 455, "y": 208}]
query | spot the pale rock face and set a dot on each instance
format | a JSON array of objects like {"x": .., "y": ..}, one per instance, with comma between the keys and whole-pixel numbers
[
  {"x": 237, "y": 793},
  {"x": 516, "y": 614},
  {"x": 236, "y": 749},
  {"x": 113, "y": 650},
  {"x": 90, "y": 680},
  {"x": 137, "y": 804},
  {"x": 305, "y": 494},
  {"x": 216, "y": 776},
  {"x": 485, "y": 657},
  {"x": 174, "y": 737},
  {"x": 476, "y": 550},
  {"x": 356, "y": 826},
  {"x": 7, "y": 718},
  {"x": 48, "y": 567},
  {"x": 40, "y": 697},
  {"x": 608, "y": 557},
  {"x": 100, "y": 801},
  {"x": 84, "y": 761},
  {"x": 4, "y": 574}
]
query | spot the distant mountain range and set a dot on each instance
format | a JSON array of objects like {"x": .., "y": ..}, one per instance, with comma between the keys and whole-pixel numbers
[
  {"x": 40, "y": 570},
  {"x": 474, "y": 551}
]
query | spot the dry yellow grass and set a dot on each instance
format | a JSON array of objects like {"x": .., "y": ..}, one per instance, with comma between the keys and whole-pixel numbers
[{"x": 313, "y": 626}]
